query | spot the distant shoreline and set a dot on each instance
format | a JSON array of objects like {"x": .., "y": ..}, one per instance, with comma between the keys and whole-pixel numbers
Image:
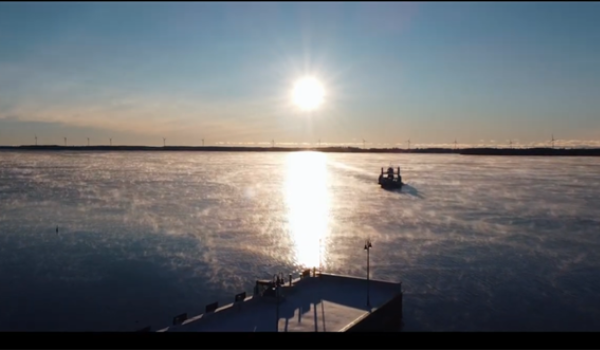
[{"x": 464, "y": 151}]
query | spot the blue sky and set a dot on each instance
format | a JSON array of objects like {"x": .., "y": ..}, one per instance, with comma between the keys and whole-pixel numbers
[{"x": 434, "y": 72}]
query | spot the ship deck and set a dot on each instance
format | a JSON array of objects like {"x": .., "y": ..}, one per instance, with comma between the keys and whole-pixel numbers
[{"x": 326, "y": 303}]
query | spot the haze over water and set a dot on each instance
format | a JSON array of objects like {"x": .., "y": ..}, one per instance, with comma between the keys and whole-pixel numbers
[{"x": 480, "y": 243}]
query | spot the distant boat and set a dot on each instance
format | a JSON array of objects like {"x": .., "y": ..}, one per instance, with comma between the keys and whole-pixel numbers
[{"x": 391, "y": 180}]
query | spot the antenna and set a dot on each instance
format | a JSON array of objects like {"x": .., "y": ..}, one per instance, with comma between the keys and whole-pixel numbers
[{"x": 164, "y": 141}]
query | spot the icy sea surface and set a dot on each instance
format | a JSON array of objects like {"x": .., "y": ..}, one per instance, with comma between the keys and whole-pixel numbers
[{"x": 480, "y": 243}]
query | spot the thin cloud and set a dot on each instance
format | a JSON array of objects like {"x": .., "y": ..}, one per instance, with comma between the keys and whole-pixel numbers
[{"x": 141, "y": 116}]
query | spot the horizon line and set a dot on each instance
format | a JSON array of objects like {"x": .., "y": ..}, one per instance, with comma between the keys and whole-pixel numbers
[
  {"x": 358, "y": 144},
  {"x": 308, "y": 147}
]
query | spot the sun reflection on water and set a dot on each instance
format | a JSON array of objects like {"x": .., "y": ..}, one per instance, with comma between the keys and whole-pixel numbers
[{"x": 308, "y": 202}]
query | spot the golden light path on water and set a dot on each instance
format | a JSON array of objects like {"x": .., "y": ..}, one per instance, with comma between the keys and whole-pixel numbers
[{"x": 308, "y": 204}]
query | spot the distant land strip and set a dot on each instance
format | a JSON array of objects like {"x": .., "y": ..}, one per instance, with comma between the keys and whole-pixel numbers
[{"x": 463, "y": 151}]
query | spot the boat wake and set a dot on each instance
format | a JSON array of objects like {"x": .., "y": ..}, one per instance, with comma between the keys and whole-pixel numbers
[{"x": 412, "y": 191}]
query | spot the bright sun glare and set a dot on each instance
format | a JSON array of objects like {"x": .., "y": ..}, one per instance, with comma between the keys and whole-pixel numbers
[
  {"x": 308, "y": 93},
  {"x": 308, "y": 202}
]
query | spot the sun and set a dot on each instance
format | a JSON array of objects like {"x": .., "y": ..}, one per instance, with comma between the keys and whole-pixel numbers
[{"x": 308, "y": 93}]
